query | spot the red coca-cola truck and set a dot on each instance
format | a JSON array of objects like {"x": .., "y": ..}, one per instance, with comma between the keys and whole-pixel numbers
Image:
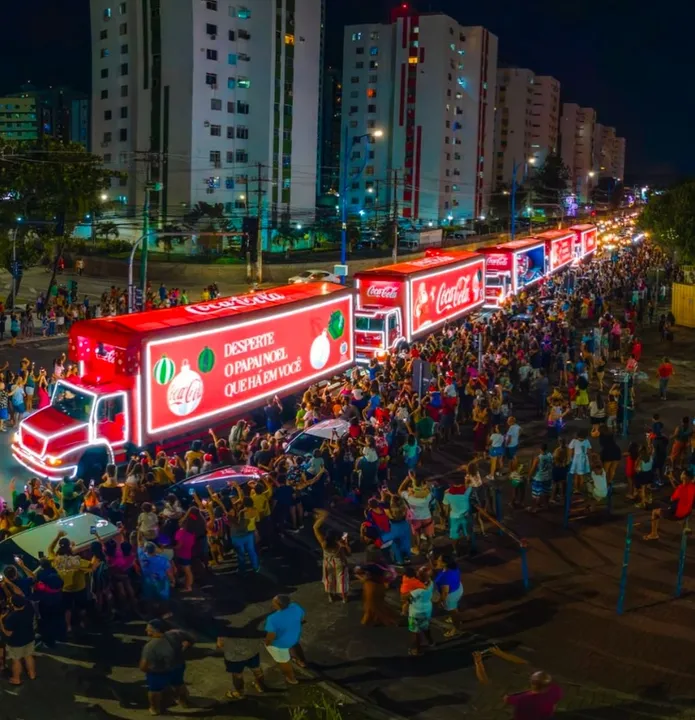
[
  {"x": 559, "y": 249},
  {"x": 511, "y": 267},
  {"x": 399, "y": 303},
  {"x": 152, "y": 379},
  {"x": 584, "y": 240}
]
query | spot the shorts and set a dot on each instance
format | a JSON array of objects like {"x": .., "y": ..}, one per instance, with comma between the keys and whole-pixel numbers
[
  {"x": 176, "y": 676},
  {"x": 453, "y": 599},
  {"x": 4, "y": 414},
  {"x": 496, "y": 451},
  {"x": 20, "y": 653},
  {"x": 510, "y": 451},
  {"x": 183, "y": 562},
  {"x": 157, "y": 682},
  {"x": 280, "y": 655},
  {"x": 75, "y": 601},
  {"x": 458, "y": 527},
  {"x": 28, "y": 390},
  {"x": 422, "y": 527},
  {"x": 237, "y": 666},
  {"x": 419, "y": 623}
]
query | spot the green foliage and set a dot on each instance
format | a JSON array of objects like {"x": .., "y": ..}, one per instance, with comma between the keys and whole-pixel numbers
[
  {"x": 207, "y": 216},
  {"x": 48, "y": 184},
  {"x": 670, "y": 219},
  {"x": 107, "y": 230},
  {"x": 551, "y": 181}
]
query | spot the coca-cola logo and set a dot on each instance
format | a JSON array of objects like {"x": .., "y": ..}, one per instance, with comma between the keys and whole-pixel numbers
[
  {"x": 383, "y": 292},
  {"x": 185, "y": 392},
  {"x": 451, "y": 297},
  {"x": 497, "y": 261},
  {"x": 236, "y": 302}
]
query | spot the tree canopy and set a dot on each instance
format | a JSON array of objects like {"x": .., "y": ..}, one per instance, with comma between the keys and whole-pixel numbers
[
  {"x": 551, "y": 180},
  {"x": 670, "y": 219},
  {"x": 46, "y": 187}
]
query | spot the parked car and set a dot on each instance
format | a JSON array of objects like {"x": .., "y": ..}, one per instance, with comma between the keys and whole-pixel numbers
[
  {"x": 314, "y": 276},
  {"x": 306, "y": 441}
]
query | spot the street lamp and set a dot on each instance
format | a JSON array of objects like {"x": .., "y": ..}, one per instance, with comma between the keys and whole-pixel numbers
[
  {"x": 515, "y": 170},
  {"x": 347, "y": 147},
  {"x": 103, "y": 197}
]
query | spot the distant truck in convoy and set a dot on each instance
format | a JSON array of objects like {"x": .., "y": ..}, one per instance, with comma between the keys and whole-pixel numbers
[
  {"x": 399, "y": 303},
  {"x": 149, "y": 380},
  {"x": 585, "y": 239}
]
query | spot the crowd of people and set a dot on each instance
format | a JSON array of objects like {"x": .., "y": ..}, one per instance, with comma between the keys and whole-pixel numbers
[{"x": 569, "y": 353}]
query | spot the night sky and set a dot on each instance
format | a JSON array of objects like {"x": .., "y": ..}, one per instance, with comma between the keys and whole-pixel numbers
[{"x": 632, "y": 62}]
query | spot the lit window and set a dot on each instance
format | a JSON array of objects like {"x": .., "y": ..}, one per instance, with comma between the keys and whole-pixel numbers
[
  {"x": 244, "y": 82},
  {"x": 373, "y": 50},
  {"x": 371, "y": 93},
  {"x": 286, "y": 183},
  {"x": 231, "y": 58},
  {"x": 289, "y": 39},
  {"x": 452, "y": 47},
  {"x": 231, "y": 83},
  {"x": 243, "y": 13},
  {"x": 412, "y": 60},
  {"x": 107, "y": 13},
  {"x": 104, "y": 52},
  {"x": 356, "y": 36}
]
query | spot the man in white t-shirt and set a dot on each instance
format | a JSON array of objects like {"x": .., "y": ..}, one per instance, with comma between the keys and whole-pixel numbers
[{"x": 511, "y": 442}]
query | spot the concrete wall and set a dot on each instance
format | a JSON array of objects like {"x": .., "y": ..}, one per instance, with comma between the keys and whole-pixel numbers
[{"x": 189, "y": 276}]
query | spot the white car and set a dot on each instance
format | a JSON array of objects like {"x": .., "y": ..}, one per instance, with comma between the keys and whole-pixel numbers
[{"x": 309, "y": 276}]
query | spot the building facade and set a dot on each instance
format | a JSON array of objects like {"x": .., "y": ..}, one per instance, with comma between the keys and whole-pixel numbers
[
  {"x": 526, "y": 122},
  {"x": 32, "y": 113},
  {"x": 577, "y": 138},
  {"x": 216, "y": 100},
  {"x": 428, "y": 84},
  {"x": 332, "y": 95}
]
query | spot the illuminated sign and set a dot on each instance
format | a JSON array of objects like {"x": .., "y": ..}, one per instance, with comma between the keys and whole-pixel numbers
[
  {"x": 446, "y": 294},
  {"x": 561, "y": 252},
  {"x": 204, "y": 374}
]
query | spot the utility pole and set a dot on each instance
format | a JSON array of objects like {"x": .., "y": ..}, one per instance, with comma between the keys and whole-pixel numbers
[
  {"x": 148, "y": 158},
  {"x": 259, "y": 233},
  {"x": 376, "y": 206},
  {"x": 247, "y": 201},
  {"x": 395, "y": 216}
]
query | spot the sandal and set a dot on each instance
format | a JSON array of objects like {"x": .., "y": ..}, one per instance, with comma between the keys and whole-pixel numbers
[
  {"x": 12, "y": 681},
  {"x": 234, "y": 695}
]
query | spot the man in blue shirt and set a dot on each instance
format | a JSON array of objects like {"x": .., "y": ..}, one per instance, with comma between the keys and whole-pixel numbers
[{"x": 283, "y": 631}]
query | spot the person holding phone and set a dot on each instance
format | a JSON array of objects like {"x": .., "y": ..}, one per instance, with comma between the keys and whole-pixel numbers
[{"x": 336, "y": 574}]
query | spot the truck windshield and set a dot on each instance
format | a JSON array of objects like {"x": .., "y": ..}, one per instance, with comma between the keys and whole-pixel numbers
[
  {"x": 73, "y": 403},
  {"x": 369, "y": 323}
]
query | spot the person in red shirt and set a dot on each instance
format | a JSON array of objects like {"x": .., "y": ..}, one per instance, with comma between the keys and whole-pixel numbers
[
  {"x": 680, "y": 508},
  {"x": 664, "y": 372},
  {"x": 539, "y": 702}
]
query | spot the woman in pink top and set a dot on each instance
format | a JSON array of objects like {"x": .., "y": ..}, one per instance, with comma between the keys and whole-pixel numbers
[
  {"x": 120, "y": 559},
  {"x": 183, "y": 555}
]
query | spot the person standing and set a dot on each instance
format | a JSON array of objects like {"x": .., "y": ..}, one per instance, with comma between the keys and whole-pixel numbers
[
  {"x": 336, "y": 575},
  {"x": 511, "y": 442},
  {"x": 241, "y": 652},
  {"x": 665, "y": 373},
  {"x": 541, "y": 477},
  {"x": 537, "y": 703},
  {"x": 283, "y": 629},
  {"x": 164, "y": 664},
  {"x": 420, "y": 612},
  {"x": 17, "y": 625}
]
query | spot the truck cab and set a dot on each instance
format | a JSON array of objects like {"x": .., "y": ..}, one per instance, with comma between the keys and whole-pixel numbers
[
  {"x": 378, "y": 330},
  {"x": 84, "y": 428}
]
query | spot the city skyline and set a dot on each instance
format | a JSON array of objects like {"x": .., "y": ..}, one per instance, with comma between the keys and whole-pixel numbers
[{"x": 56, "y": 52}]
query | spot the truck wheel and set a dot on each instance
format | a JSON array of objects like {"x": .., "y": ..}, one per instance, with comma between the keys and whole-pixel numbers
[{"x": 92, "y": 465}]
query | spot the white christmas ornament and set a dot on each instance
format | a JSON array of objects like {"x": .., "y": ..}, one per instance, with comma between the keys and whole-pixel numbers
[
  {"x": 185, "y": 391},
  {"x": 320, "y": 351}
]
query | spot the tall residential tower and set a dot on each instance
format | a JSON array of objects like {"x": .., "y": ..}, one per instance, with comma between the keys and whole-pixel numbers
[{"x": 196, "y": 93}]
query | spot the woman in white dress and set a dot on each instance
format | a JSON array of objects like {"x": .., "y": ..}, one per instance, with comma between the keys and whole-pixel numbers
[{"x": 580, "y": 467}]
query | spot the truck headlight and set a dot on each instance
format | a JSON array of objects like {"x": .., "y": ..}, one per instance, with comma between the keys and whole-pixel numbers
[{"x": 51, "y": 460}]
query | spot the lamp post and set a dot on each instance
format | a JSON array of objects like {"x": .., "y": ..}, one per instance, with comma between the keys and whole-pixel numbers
[
  {"x": 515, "y": 170},
  {"x": 347, "y": 148}
]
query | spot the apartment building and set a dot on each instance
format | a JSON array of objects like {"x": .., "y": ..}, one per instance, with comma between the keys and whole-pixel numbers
[
  {"x": 329, "y": 161},
  {"x": 196, "y": 93},
  {"x": 428, "y": 84},
  {"x": 618, "y": 159},
  {"x": 577, "y": 136},
  {"x": 526, "y": 122},
  {"x": 33, "y": 113}
]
